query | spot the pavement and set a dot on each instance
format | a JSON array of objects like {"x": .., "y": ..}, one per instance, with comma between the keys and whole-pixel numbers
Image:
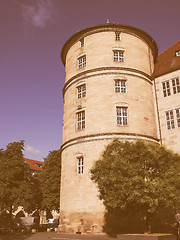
[{"x": 54, "y": 236}]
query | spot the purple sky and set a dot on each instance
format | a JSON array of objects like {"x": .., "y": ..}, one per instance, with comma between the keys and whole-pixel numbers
[{"x": 32, "y": 33}]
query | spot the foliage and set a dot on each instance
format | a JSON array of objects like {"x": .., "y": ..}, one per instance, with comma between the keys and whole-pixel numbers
[
  {"x": 138, "y": 176},
  {"x": 50, "y": 181},
  {"x": 16, "y": 181}
]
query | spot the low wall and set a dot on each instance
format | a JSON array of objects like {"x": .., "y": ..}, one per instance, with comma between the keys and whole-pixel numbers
[{"x": 155, "y": 236}]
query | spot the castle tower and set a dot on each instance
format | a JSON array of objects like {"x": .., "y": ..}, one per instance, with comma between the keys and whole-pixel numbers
[{"x": 108, "y": 94}]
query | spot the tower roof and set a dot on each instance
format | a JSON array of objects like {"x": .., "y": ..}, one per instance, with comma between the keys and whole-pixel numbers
[
  {"x": 168, "y": 61},
  {"x": 109, "y": 27}
]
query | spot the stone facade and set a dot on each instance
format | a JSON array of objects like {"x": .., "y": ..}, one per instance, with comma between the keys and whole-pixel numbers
[
  {"x": 108, "y": 94},
  {"x": 167, "y": 81}
]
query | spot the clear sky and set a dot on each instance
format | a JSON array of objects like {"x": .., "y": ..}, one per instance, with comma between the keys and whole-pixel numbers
[{"x": 32, "y": 33}]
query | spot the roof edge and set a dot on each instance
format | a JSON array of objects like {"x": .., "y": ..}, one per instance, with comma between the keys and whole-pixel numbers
[{"x": 109, "y": 26}]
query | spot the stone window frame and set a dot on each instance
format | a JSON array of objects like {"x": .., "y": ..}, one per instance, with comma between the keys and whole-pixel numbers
[
  {"x": 166, "y": 88},
  {"x": 81, "y": 61},
  {"x": 80, "y": 164},
  {"x": 170, "y": 119},
  {"x": 122, "y": 115},
  {"x": 119, "y": 55},
  {"x": 118, "y": 86},
  {"x": 175, "y": 85},
  {"x": 178, "y": 116},
  {"x": 81, "y": 90},
  {"x": 80, "y": 120},
  {"x": 118, "y": 36}
]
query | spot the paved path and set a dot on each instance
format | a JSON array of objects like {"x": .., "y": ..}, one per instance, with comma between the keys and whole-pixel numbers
[{"x": 55, "y": 236}]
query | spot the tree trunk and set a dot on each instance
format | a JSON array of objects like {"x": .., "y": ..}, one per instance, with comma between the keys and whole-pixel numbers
[{"x": 148, "y": 223}]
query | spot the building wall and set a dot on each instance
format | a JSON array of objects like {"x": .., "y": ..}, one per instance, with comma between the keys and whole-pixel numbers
[
  {"x": 81, "y": 210},
  {"x": 171, "y": 137}
]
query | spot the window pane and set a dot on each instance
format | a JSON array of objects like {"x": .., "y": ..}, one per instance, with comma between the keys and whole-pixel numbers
[
  {"x": 81, "y": 91},
  {"x": 122, "y": 116},
  {"x": 80, "y": 120},
  {"x": 170, "y": 120},
  {"x": 166, "y": 89}
]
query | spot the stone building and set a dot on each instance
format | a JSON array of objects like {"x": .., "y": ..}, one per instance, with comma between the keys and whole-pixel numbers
[
  {"x": 167, "y": 81},
  {"x": 108, "y": 94}
]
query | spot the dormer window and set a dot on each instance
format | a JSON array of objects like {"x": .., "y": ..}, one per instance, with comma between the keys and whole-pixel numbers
[
  {"x": 39, "y": 165},
  {"x": 178, "y": 53}
]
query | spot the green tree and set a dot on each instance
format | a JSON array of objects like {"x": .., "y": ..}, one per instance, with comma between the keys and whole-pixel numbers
[
  {"x": 138, "y": 176},
  {"x": 50, "y": 181},
  {"x": 17, "y": 186}
]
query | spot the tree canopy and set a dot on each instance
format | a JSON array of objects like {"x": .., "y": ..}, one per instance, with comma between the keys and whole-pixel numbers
[
  {"x": 134, "y": 176},
  {"x": 16, "y": 181},
  {"x": 50, "y": 181}
]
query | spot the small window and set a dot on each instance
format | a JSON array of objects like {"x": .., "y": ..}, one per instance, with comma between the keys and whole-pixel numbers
[
  {"x": 178, "y": 53},
  {"x": 170, "y": 120},
  {"x": 39, "y": 165},
  {"x": 81, "y": 120},
  {"x": 178, "y": 116},
  {"x": 82, "y": 61},
  {"x": 166, "y": 88},
  {"x": 82, "y": 42},
  {"x": 117, "y": 36},
  {"x": 176, "y": 85},
  {"x": 81, "y": 91},
  {"x": 80, "y": 165},
  {"x": 120, "y": 86},
  {"x": 122, "y": 116},
  {"x": 118, "y": 55}
]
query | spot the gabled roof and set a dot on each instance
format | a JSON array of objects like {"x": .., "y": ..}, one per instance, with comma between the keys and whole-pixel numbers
[
  {"x": 34, "y": 164},
  {"x": 167, "y": 61}
]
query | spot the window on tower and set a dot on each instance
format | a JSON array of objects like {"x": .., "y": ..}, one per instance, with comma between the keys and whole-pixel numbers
[
  {"x": 117, "y": 36},
  {"x": 170, "y": 120},
  {"x": 80, "y": 120},
  {"x": 166, "y": 88},
  {"x": 178, "y": 116},
  {"x": 80, "y": 165},
  {"x": 81, "y": 61},
  {"x": 82, "y": 42},
  {"x": 176, "y": 85},
  {"x": 120, "y": 85},
  {"x": 122, "y": 116},
  {"x": 118, "y": 55},
  {"x": 81, "y": 91}
]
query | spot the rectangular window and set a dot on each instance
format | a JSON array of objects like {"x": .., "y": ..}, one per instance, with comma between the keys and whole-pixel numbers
[
  {"x": 166, "y": 88},
  {"x": 82, "y": 42},
  {"x": 122, "y": 116},
  {"x": 178, "y": 116},
  {"x": 176, "y": 85},
  {"x": 170, "y": 120},
  {"x": 120, "y": 86},
  {"x": 80, "y": 165},
  {"x": 81, "y": 120},
  {"x": 118, "y": 55},
  {"x": 82, "y": 61},
  {"x": 118, "y": 36},
  {"x": 81, "y": 91}
]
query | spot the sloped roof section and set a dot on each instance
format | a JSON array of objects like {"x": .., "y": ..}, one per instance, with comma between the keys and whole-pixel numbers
[
  {"x": 34, "y": 164},
  {"x": 168, "y": 61}
]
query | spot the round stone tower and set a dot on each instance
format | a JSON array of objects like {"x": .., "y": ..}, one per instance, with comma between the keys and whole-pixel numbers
[{"x": 108, "y": 94}]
